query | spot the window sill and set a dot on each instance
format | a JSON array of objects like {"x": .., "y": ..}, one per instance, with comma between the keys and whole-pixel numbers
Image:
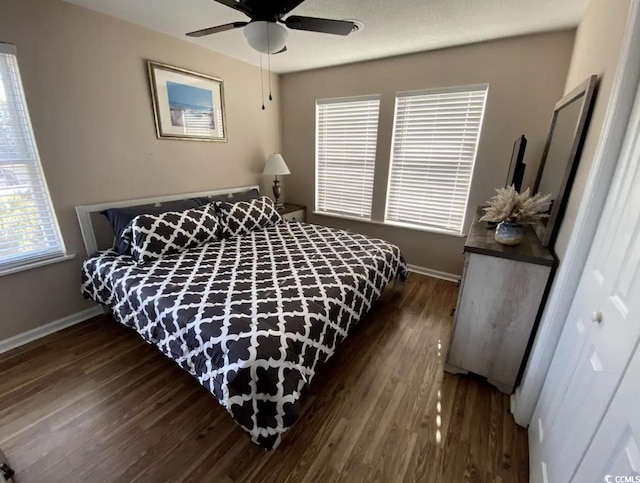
[
  {"x": 39, "y": 263},
  {"x": 391, "y": 224}
]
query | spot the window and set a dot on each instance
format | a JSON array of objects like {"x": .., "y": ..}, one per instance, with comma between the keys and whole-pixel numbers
[
  {"x": 29, "y": 231},
  {"x": 435, "y": 139},
  {"x": 346, "y": 137}
]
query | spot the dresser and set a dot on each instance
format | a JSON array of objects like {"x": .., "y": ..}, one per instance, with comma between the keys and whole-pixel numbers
[
  {"x": 291, "y": 212},
  {"x": 501, "y": 291}
]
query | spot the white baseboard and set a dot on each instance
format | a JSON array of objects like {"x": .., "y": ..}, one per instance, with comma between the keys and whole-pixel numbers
[
  {"x": 451, "y": 277},
  {"x": 55, "y": 326}
]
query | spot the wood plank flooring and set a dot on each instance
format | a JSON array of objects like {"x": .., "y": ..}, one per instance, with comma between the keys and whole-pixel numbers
[{"x": 95, "y": 403}]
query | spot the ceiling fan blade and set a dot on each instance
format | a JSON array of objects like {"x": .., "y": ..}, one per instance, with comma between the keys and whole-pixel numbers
[
  {"x": 215, "y": 30},
  {"x": 239, "y": 6},
  {"x": 282, "y": 50},
  {"x": 263, "y": 9},
  {"x": 285, "y": 6},
  {"x": 324, "y": 25}
]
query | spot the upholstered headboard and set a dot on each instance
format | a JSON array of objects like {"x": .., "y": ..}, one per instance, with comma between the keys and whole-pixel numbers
[{"x": 97, "y": 232}]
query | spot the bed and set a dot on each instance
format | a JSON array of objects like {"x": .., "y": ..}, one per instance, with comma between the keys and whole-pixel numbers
[{"x": 252, "y": 318}]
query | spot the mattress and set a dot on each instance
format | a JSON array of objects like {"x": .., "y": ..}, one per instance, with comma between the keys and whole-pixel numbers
[{"x": 251, "y": 318}]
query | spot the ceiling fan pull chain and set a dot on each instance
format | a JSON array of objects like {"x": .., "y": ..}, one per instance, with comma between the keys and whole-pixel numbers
[
  {"x": 269, "y": 60},
  {"x": 270, "y": 96},
  {"x": 261, "y": 83}
]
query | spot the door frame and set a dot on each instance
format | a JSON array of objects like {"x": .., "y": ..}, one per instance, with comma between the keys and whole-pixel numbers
[{"x": 625, "y": 85}]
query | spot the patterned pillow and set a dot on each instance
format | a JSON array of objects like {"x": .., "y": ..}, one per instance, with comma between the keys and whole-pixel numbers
[
  {"x": 120, "y": 218},
  {"x": 243, "y": 217},
  {"x": 152, "y": 236}
]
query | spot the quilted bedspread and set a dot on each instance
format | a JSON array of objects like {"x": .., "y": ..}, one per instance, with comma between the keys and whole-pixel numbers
[{"x": 252, "y": 318}]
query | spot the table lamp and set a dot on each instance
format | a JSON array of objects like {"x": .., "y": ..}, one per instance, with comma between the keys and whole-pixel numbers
[{"x": 275, "y": 166}]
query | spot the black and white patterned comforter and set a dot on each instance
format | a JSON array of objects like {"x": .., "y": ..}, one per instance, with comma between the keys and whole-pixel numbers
[{"x": 251, "y": 318}]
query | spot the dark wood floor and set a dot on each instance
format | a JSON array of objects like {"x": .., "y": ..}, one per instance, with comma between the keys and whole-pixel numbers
[{"x": 95, "y": 403}]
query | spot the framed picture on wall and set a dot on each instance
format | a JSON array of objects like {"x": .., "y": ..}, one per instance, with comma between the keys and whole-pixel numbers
[{"x": 186, "y": 105}]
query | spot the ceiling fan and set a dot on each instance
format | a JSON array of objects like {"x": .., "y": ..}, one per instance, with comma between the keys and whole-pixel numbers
[{"x": 264, "y": 32}]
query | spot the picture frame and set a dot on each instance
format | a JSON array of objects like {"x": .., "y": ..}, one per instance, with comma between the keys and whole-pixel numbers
[{"x": 187, "y": 105}]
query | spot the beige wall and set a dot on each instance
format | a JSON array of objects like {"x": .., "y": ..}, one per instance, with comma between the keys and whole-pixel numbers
[
  {"x": 597, "y": 49},
  {"x": 526, "y": 76},
  {"x": 87, "y": 90}
]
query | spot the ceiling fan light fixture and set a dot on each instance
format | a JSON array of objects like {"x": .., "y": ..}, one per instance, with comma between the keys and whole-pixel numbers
[{"x": 266, "y": 37}]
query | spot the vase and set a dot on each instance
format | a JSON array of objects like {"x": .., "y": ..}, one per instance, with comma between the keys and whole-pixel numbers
[{"x": 508, "y": 233}]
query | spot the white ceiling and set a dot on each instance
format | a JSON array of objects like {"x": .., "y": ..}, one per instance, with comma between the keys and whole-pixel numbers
[{"x": 392, "y": 27}]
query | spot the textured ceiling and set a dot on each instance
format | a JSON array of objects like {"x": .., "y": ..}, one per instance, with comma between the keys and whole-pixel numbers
[{"x": 392, "y": 27}]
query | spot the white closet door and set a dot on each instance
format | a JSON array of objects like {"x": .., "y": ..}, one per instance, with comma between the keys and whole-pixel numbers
[
  {"x": 600, "y": 334},
  {"x": 615, "y": 449}
]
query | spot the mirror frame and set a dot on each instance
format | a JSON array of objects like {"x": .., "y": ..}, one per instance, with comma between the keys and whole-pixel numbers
[{"x": 587, "y": 90}]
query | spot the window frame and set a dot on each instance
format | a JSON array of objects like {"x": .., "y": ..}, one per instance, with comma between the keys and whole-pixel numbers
[
  {"x": 60, "y": 252},
  {"x": 338, "y": 100},
  {"x": 435, "y": 91}
]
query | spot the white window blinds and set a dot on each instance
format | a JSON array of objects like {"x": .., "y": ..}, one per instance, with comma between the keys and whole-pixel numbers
[
  {"x": 346, "y": 138},
  {"x": 435, "y": 139},
  {"x": 28, "y": 228}
]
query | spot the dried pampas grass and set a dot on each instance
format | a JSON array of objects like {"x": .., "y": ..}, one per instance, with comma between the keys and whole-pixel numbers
[{"x": 509, "y": 205}]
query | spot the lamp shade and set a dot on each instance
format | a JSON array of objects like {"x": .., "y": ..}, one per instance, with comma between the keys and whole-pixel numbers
[
  {"x": 266, "y": 37},
  {"x": 275, "y": 165}
]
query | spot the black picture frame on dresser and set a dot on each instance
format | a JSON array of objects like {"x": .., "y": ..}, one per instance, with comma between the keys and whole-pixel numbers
[{"x": 517, "y": 166}]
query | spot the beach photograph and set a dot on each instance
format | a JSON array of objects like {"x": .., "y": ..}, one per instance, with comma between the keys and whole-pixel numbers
[{"x": 191, "y": 107}]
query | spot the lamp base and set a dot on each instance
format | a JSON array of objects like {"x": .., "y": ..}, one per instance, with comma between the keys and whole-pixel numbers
[{"x": 277, "y": 193}]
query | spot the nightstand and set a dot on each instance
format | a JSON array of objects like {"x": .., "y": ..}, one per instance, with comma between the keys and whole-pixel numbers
[{"x": 292, "y": 212}]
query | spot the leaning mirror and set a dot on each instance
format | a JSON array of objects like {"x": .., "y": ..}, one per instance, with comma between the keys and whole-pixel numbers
[{"x": 561, "y": 154}]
